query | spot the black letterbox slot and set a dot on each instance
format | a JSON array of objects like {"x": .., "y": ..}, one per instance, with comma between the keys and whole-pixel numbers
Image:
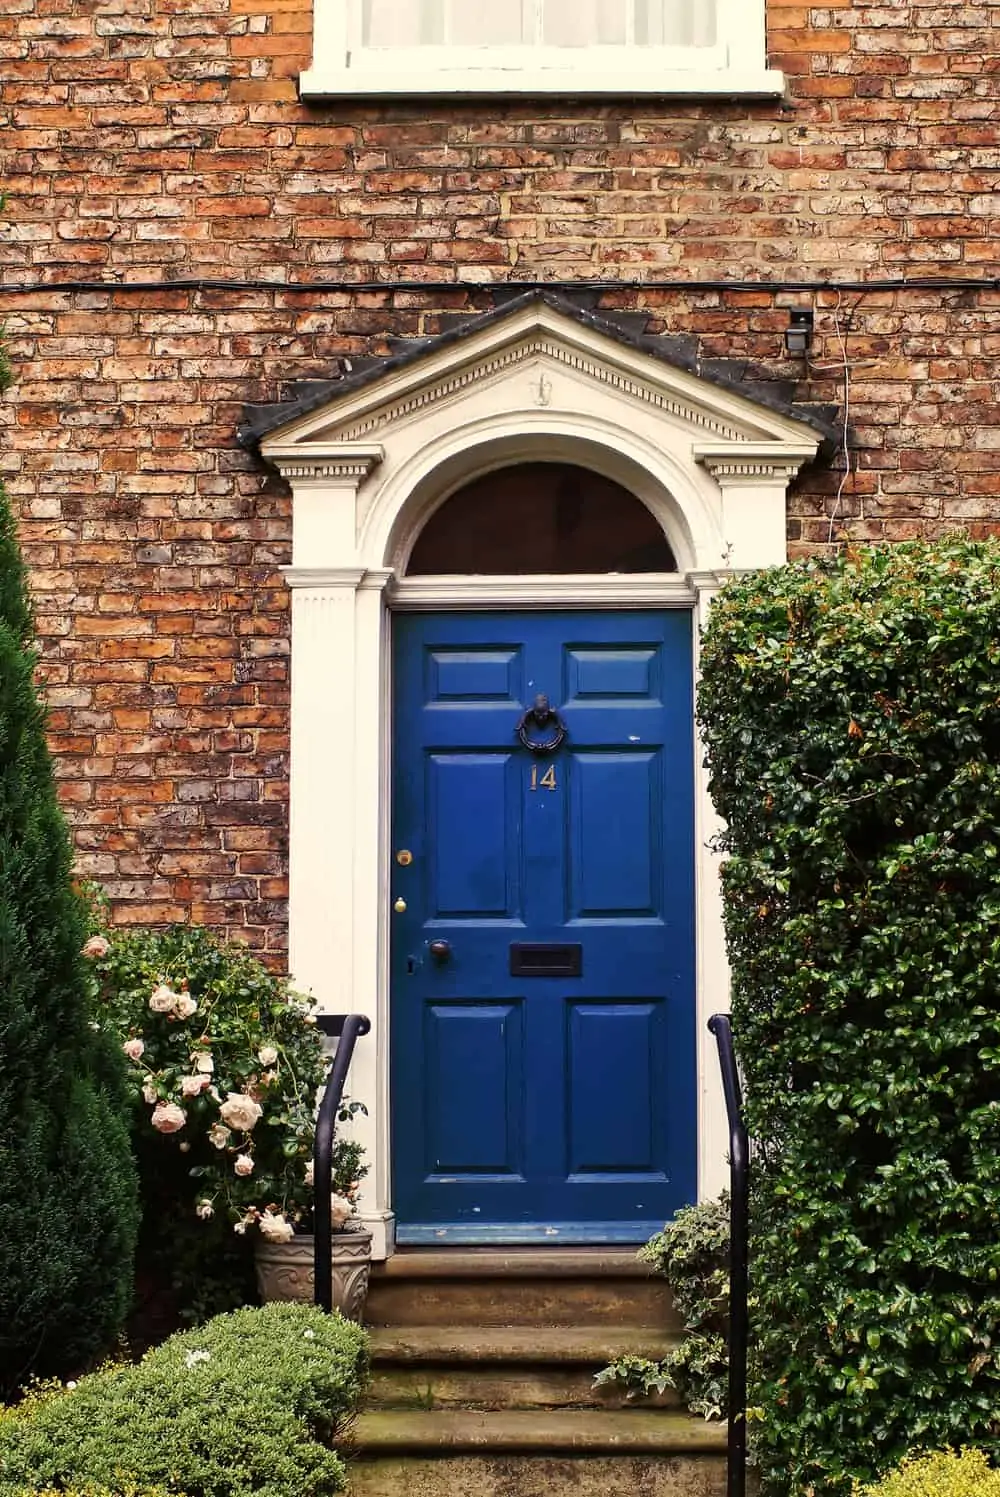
[{"x": 546, "y": 960}]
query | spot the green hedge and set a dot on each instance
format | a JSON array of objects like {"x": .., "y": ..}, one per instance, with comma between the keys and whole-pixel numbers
[
  {"x": 250, "y": 1403},
  {"x": 852, "y": 718}
]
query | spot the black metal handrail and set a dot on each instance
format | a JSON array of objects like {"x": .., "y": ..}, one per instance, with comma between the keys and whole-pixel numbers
[
  {"x": 739, "y": 1232},
  {"x": 347, "y": 1029}
]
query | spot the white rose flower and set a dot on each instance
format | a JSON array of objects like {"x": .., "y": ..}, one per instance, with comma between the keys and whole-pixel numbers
[
  {"x": 185, "y": 1006},
  {"x": 218, "y": 1136},
  {"x": 309, "y": 1172},
  {"x": 133, "y": 1049},
  {"x": 163, "y": 999},
  {"x": 202, "y": 1061},
  {"x": 97, "y": 946},
  {"x": 149, "y": 1092},
  {"x": 168, "y": 1117},
  {"x": 268, "y": 1055},
  {"x": 244, "y": 1164},
  {"x": 193, "y": 1086},
  {"x": 204, "y": 1209},
  {"x": 240, "y": 1112},
  {"x": 275, "y": 1227},
  {"x": 341, "y": 1211}
]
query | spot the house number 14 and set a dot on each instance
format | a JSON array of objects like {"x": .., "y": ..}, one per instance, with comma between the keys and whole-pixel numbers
[{"x": 548, "y": 780}]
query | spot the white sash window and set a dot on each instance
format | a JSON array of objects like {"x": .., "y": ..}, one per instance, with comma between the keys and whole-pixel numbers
[{"x": 394, "y": 48}]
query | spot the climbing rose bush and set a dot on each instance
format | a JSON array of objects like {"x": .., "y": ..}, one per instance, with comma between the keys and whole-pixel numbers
[{"x": 225, "y": 1065}]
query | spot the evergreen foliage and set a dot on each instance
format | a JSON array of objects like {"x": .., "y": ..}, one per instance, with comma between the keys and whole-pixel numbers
[
  {"x": 851, "y": 713},
  {"x": 692, "y": 1254},
  {"x": 943, "y": 1473},
  {"x": 251, "y": 1404},
  {"x": 67, "y": 1183}
]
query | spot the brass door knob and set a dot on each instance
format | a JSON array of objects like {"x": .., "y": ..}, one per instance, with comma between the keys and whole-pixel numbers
[{"x": 440, "y": 950}]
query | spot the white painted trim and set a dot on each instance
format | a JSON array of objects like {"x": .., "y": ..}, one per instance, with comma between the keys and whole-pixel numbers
[
  {"x": 323, "y": 576},
  {"x": 343, "y": 67},
  {"x": 537, "y": 332},
  {"x": 665, "y": 481},
  {"x": 711, "y": 964},
  {"x": 753, "y": 457},
  {"x": 713, "y": 467},
  {"x": 349, "y": 462},
  {"x": 619, "y": 81},
  {"x": 639, "y": 590}
]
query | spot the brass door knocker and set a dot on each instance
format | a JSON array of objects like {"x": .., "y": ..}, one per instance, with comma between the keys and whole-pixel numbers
[{"x": 542, "y": 716}]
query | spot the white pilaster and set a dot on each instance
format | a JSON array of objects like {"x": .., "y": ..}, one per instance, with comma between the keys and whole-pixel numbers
[
  {"x": 711, "y": 966},
  {"x": 372, "y": 896},
  {"x": 753, "y": 478},
  {"x": 325, "y": 482},
  {"x": 322, "y": 790}
]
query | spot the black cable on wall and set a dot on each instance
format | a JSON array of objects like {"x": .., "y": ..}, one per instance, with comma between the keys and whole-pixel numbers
[{"x": 432, "y": 288}]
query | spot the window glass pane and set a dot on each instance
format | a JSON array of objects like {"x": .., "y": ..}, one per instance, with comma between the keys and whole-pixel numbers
[
  {"x": 458, "y": 23},
  {"x": 390, "y": 23},
  {"x": 675, "y": 23},
  {"x": 564, "y": 23},
  {"x": 541, "y": 517},
  {"x": 585, "y": 23},
  {"x": 487, "y": 23}
]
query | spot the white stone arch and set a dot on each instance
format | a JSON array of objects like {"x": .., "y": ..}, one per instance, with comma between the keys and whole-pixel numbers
[
  {"x": 367, "y": 467},
  {"x": 402, "y": 505}
]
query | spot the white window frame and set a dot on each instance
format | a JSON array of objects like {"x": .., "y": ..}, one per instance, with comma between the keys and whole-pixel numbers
[{"x": 341, "y": 67}]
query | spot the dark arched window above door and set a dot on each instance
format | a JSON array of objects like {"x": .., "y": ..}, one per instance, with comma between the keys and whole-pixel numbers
[{"x": 540, "y": 518}]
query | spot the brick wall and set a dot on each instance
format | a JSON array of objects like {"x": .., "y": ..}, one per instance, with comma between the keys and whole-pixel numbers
[{"x": 151, "y": 140}]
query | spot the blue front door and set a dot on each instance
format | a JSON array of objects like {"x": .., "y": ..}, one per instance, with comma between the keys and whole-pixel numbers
[{"x": 543, "y": 1015}]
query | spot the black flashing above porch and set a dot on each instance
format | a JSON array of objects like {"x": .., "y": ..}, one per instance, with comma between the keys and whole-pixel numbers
[{"x": 631, "y": 329}]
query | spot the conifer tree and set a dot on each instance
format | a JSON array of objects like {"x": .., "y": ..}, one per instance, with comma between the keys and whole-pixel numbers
[{"x": 68, "y": 1198}]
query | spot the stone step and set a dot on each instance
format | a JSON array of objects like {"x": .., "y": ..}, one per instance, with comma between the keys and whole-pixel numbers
[
  {"x": 519, "y": 1286},
  {"x": 520, "y": 1453},
  {"x": 496, "y": 1367}
]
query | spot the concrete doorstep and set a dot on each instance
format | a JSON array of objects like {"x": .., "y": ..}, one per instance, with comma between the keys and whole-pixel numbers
[{"x": 483, "y": 1381}]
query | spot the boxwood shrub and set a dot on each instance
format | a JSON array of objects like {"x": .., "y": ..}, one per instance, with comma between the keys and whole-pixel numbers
[
  {"x": 851, "y": 713},
  {"x": 942, "y": 1473},
  {"x": 251, "y": 1402}
]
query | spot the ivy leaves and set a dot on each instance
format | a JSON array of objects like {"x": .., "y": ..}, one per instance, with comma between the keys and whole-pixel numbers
[
  {"x": 692, "y": 1252},
  {"x": 851, "y": 713}
]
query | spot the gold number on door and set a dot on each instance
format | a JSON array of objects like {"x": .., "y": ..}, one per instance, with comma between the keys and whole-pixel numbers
[{"x": 548, "y": 780}]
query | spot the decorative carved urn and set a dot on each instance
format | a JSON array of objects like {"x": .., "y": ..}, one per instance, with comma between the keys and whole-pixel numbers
[{"x": 285, "y": 1270}]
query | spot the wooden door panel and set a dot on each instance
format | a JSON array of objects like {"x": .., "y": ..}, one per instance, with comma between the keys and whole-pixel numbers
[{"x": 551, "y": 1091}]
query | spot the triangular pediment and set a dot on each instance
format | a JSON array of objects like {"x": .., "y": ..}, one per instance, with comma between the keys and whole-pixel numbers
[{"x": 551, "y": 351}]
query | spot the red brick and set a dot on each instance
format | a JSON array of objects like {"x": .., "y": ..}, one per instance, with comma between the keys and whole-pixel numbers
[{"x": 148, "y": 147}]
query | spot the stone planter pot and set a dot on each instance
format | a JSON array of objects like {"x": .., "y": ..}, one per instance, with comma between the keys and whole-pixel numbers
[{"x": 285, "y": 1270}]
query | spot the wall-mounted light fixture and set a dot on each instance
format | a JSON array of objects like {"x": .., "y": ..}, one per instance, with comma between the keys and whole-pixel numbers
[{"x": 798, "y": 333}]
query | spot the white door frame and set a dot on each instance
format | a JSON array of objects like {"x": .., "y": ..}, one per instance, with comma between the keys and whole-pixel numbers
[{"x": 366, "y": 471}]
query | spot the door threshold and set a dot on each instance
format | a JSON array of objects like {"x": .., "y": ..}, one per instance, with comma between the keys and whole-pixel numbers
[{"x": 515, "y": 1234}]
